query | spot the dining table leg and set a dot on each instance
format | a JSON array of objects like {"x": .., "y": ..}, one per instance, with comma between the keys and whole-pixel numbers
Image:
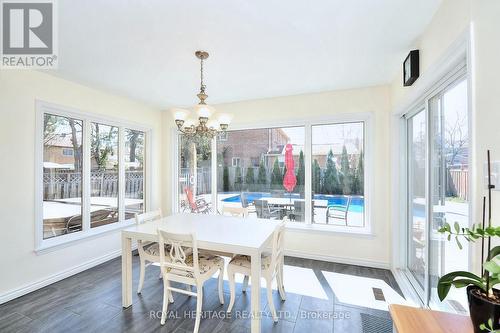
[
  {"x": 255, "y": 301},
  {"x": 126, "y": 271}
]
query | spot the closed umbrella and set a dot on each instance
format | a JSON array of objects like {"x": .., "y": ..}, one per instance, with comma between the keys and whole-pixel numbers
[{"x": 289, "y": 181}]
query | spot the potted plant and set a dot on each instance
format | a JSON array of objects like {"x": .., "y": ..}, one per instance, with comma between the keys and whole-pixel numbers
[{"x": 484, "y": 299}]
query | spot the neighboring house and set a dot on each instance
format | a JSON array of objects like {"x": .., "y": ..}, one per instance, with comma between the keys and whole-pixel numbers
[
  {"x": 60, "y": 152},
  {"x": 246, "y": 148}
]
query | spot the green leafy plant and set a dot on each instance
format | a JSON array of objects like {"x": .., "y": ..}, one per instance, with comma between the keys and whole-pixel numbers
[
  {"x": 490, "y": 273},
  {"x": 488, "y": 327},
  {"x": 462, "y": 279}
]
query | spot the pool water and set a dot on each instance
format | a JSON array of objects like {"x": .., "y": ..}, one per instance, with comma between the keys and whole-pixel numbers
[{"x": 357, "y": 203}]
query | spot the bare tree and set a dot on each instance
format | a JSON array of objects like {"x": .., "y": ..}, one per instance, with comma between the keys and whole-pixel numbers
[{"x": 456, "y": 137}]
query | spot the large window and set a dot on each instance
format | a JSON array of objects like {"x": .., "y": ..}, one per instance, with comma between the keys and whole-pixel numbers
[
  {"x": 312, "y": 174},
  {"x": 257, "y": 181},
  {"x": 92, "y": 171}
]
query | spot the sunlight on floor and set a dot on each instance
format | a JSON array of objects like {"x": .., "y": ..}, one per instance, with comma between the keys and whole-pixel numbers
[
  {"x": 357, "y": 290},
  {"x": 298, "y": 280}
]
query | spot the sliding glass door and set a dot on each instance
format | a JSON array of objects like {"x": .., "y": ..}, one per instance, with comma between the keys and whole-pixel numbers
[
  {"x": 416, "y": 163},
  {"x": 437, "y": 183}
]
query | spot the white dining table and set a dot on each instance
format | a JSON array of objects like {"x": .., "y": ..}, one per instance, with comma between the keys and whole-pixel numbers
[{"x": 229, "y": 234}]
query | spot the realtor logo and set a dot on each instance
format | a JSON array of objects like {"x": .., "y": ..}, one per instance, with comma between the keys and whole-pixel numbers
[{"x": 28, "y": 34}]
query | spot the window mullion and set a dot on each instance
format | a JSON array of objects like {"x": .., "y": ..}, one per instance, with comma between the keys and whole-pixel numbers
[
  {"x": 86, "y": 192},
  {"x": 308, "y": 174},
  {"x": 121, "y": 174},
  {"x": 214, "y": 175}
]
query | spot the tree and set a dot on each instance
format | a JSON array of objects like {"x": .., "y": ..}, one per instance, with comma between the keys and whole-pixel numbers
[
  {"x": 276, "y": 176},
  {"x": 358, "y": 179},
  {"x": 346, "y": 175},
  {"x": 135, "y": 139},
  {"x": 301, "y": 172},
  {"x": 455, "y": 138},
  {"x": 238, "y": 179},
  {"x": 250, "y": 178},
  {"x": 262, "y": 177},
  {"x": 361, "y": 172},
  {"x": 316, "y": 177},
  {"x": 225, "y": 179},
  {"x": 331, "y": 183}
]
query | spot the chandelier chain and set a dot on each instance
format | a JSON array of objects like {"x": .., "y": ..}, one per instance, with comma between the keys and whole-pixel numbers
[{"x": 202, "y": 85}]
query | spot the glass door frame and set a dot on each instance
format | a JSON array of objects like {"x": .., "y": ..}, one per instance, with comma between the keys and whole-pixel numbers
[
  {"x": 423, "y": 105},
  {"x": 421, "y": 292}
]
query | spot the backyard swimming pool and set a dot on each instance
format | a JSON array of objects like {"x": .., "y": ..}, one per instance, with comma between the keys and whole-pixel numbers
[{"x": 357, "y": 203}]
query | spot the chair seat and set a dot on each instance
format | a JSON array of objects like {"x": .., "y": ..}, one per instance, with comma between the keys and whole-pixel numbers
[
  {"x": 246, "y": 262},
  {"x": 206, "y": 263}
]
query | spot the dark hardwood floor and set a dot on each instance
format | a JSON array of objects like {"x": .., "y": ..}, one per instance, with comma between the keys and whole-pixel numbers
[{"x": 91, "y": 302}]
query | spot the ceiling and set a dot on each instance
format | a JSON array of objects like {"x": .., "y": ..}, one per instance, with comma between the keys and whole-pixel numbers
[{"x": 259, "y": 48}]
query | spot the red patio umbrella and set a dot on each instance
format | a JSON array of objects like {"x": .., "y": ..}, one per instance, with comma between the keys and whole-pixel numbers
[{"x": 289, "y": 181}]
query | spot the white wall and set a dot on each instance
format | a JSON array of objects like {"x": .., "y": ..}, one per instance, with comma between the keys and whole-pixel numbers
[
  {"x": 20, "y": 266},
  {"x": 450, "y": 21},
  {"x": 373, "y": 250}
]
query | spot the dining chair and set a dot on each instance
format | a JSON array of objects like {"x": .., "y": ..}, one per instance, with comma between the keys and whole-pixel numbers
[
  {"x": 192, "y": 269},
  {"x": 271, "y": 265},
  {"x": 149, "y": 252}
]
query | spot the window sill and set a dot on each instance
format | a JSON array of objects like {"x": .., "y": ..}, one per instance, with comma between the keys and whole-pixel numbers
[
  {"x": 364, "y": 232},
  {"x": 56, "y": 243}
]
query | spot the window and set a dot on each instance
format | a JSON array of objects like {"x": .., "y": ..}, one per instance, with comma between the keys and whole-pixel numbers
[
  {"x": 104, "y": 175},
  {"x": 67, "y": 151},
  {"x": 195, "y": 175},
  {"x": 134, "y": 173},
  {"x": 326, "y": 187},
  {"x": 62, "y": 176},
  {"x": 89, "y": 181},
  {"x": 338, "y": 174},
  {"x": 235, "y": 162}
]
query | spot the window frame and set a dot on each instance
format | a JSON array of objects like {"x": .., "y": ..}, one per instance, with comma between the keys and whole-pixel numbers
[
  {"x": 237, "y": 160},
  {"x": 50, "y": 244},
  {"x": 307, "y": 226}
]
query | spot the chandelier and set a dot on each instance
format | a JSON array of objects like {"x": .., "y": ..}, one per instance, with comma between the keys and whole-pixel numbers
[{"x": 208, "y": 124}]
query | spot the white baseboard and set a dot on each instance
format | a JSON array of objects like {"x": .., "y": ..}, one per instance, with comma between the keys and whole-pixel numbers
[
  {"x": 58, "y": 276},
  {"x": 350, "y": 261}
]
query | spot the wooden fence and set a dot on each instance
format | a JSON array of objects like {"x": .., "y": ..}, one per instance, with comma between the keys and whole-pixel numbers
[
  {"x": 459, "y": 183},
  {"x": 63, "y": 184}
]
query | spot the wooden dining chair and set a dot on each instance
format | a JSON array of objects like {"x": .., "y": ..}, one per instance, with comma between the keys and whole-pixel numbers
[
  {"x": 271, "y": 265},
  {"x": 192, "y": 269}
]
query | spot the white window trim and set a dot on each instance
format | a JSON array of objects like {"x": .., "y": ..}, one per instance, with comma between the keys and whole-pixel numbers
[
  {"x": 51, "y": 244},
  {"x": 308, "y": 226}
]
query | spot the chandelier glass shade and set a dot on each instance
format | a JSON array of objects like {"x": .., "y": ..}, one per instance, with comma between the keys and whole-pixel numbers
[{"x": 209, "y": 123}]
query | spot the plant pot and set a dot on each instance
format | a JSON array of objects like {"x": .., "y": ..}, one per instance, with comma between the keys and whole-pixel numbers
[{"x": 482, "y": 309}]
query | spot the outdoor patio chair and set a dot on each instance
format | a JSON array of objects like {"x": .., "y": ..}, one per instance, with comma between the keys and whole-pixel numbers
[
  {"x": 338, "y": 211},
  {"x": 264, "y": 211},
  {"x": 197, "y": 205},
  {"x": 97, "y": 218},
  {"x": 299, "y": 211}
]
